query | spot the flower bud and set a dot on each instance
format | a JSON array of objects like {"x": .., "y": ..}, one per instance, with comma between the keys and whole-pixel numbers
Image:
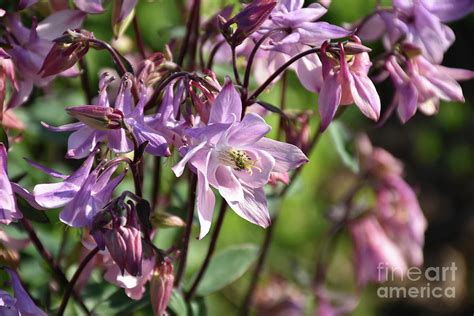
[
  {"x": 161, "y": 286},
  {"x": 66, "y": 51},
  {"x": 163, "y": 219},
  {"x": 97, "y": 117},
  {"x": 247, "y": 21},
  {"x": 125, "y": 247}
]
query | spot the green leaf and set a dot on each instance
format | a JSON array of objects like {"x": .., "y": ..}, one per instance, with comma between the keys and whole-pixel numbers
[
  {"x": 4, "y": 138},
  {"x": 341, "y": 139},
  {"x": 121, "y": 304},
  {"x": 225, "y": 267},
  {"x": 177, "y": 304},
  {"x": 198, "y": 307}
]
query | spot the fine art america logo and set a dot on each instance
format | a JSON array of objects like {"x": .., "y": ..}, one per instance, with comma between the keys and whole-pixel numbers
[{"x": 432, "y": 282}]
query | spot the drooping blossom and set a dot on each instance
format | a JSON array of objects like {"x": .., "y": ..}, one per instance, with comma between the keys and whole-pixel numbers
[
  {"x": 420, "y": 85},
  {"x": 419, "y": 22},
  {"x": 134, "y": 286},
  {"x": 21, "y": 304},
  {"x": 116, "y": 229},
  {"x": 390, "y": 238},
  {"x": 298, "y": 30},
  {"x": 233, "y": 156},
  {"x": 85, "y": 138},
  {"x": 28, "y": 49},
  {"x": 345, "y": 83},
  {"x": 82, "y": 194}
]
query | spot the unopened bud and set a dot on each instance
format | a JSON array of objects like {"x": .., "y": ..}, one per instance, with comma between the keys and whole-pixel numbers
[
  {"x": 97, "y": 117},
  {"x": 352, "y": 48},
  {"x": 247, "y": 21},
  {"x": 161, "y": 286},
  {"x": 163, "y": 219},
  {"x": 66, "y": 51}
]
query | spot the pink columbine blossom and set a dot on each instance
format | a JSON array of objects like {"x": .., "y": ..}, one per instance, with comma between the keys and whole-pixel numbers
[
  {"x": 420, "y": 85},
  {"x": 82, "y": 194},
  {"x": 29, "y": 47},
  {"x": 85, "y": 138},
  {"x": 233, "y": 156},
  {"x": 345, "y": 83}
]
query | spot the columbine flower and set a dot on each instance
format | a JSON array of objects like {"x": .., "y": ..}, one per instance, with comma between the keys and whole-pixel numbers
[
  {"x": 85, "y": 138},
  {"x": 29, "y": 48},
  {"x": 82, "y": 194},
  {"x": 374, "y": 252},
  {"x": 347, "y": 82},
  {"x": 8, "y": 208},
  {"x": 234, "y": 157},
  {"x": 418, "y": 22},
  {"x": 134, "y": 286},
  {"x": 22, "y": 304},
  {"x": 298, "y": 31},
  {"x": 396, "y": 225},
  {"x": 421, "y": 84},
  {"x": 161, "y": 286}
]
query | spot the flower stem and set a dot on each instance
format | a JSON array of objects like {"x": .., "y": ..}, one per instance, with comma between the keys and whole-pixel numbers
[
  {"x": 156, "y": 184},
  {"x": 248, "y": 69},
  {"x": 70, "y": 287},
  {"x": 234, "y": 66},
  {"x": 280, "y": 70},
  {"x": 210, "y": 251},
  {"x": 247, "y": 304},
  {"x": 58, "y": 273},
  {"x": 85, "y": 80},
  {"x": 138, "y": 37},
  {"x": 187, "y": 232}
]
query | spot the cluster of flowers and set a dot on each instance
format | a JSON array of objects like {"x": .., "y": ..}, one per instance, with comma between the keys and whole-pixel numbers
[{"x": 216, "y": 128}]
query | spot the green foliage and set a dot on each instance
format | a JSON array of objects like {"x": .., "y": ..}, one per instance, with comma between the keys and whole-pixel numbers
[{"x": 227, "y": 266}]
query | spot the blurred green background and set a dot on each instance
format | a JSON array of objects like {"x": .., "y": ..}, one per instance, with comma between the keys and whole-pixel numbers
[{"x": 438, "y": 153}]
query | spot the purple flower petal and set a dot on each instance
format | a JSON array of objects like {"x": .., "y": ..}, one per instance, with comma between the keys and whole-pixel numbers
[
  {"x": 227, "y": 107},
  {"x": 89, "y": 6},
  {"x": 287, "y": 156},
  {"x": 54, "y": 25},
  {"x": 329, "y": 99},
  {"x": 178, "y": 169},
  {"x": 46, "y": 170},
  {"x": 24, "y": 303},
  {"x": 407, "y": 101},
  {"x": 205, "y": 202},
  {"x": 228, "y": 184},
  {"x": 253, "y": 207},
  {"x": 365, "y": 96},
  {"x": 251, "y": 129},
  {"x": 64, "y": 128}
]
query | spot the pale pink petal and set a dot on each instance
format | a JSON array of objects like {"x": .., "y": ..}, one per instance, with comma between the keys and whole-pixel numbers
[
  {"x": 227, "y": 107},
  {"x": 251, "y": 129},
  {"x": 253, "y": 207},
  {"x": 287, "y": 156},
  {"x": 329, "y": 99}
]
